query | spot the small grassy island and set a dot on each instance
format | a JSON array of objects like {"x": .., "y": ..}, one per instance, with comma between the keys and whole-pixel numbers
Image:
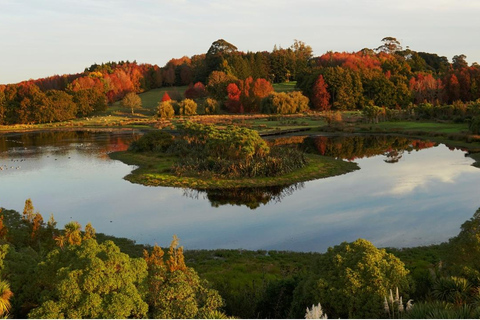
[{"x": 209, "y": 157}]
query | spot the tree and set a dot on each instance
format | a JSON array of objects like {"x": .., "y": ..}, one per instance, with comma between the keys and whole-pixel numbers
[
  {"x": 355, "y": 277},
  {"x": 166, "y": 109},
  {"x": 211, "y": 106},
  {"x": 60, "y": 106},
  {"x": 187, "y": 107},
  {"x": 320, "y": 95},
  {"x": 132, "y": 101},
  {"x": 166, "y": 97},
  {"x": 217, "y": 84},
  {"x": 215, "y": 56},
  {"x": 459, "y": 61},
  {"x": 174, "y": 290},
  {"x": 463, "y": 256},
  {"x": 233, "y": 102},
  {"x": 90, "y": 281},
  {"x": 221, "y": 46},
  {"x": 390, "y": 45}
]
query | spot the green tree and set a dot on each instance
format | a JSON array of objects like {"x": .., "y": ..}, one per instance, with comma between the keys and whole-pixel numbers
[
  {"x": 90, "y": 280},
  {"x": 355, "y": 277},
  {"x": 463, "y": 254},
  {"x": 176, "y": 291},
  {"x": 132, "y": 101},
  {"x": 390, "y": 45}
]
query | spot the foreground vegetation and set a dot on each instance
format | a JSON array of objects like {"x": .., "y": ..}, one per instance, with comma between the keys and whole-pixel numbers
[{"x": 50, "y": 273}]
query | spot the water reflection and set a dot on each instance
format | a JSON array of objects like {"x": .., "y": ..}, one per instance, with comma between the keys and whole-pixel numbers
[
  {"x": 348, "y": 147},
  {"x": 420, "y": 200},
  {"x": 249, "y": 197},
  {"x": 354, "y": 147}
]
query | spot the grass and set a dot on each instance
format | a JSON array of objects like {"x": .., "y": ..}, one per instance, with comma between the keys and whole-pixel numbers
[
  {"x": 285, "y": 86},
  {"x": 154, "y": 171},
  {"x": 423, "y": 126}
]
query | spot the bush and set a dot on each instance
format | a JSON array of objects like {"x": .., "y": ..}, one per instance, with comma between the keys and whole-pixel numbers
[
  {"x": 211, "y": 106},
  {"x": 231, "y": 152},
  {"x": 187, "y": 107},
  {"x": 284, "y": 103},
  {"x": 166, "y": 109},
  {"x": 158, "y": 141},
  {"x": 474, "y": 126}
]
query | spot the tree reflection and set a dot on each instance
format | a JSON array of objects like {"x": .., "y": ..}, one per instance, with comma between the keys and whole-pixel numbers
[
  {"x": 249, "y": 197},
  {"x": 361, "y": 146}
]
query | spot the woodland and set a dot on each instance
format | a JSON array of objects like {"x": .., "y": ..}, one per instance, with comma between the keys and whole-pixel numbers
[
  {"x": 387, "y": 80},
  {"x": 70, "y": 272}
]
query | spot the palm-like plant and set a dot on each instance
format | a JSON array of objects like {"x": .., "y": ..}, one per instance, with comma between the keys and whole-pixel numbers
[{"x": 5, "y": 295}]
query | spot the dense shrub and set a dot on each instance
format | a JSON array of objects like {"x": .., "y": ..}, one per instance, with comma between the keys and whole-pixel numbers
[
  {"x": 231, "y": 152},
  {"x": 166, "y": 109},
  {"x": 187, "y": 107},
  {"x": 284, "y": 103},
  {"x": 372, "y": 113},
  {"x": 157, "y": 140},
  {"x": 211, "y": 106},
  {"x": 474, "y": 126}
]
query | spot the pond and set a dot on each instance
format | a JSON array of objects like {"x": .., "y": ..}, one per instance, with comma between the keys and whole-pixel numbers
[{"x": 407, "y": 193}]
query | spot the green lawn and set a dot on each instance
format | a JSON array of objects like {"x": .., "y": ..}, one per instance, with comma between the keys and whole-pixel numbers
[
  {"x": 150, "y": 100},
  {"x": 285, "y": 86},
  {"x": 424, "y": 126}
]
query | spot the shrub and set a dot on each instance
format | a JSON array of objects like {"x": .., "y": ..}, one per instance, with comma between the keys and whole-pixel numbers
[
  {"x": 474, "y": 126},
  {"x": 231, "y": 152},
  {"x": 187, "y": 107},
  {"x": 211, "y": 106},
  {"x": 285, "y": 103},
  {"x": 166, "y": 109},
  {"x": 156, "y": 140}
]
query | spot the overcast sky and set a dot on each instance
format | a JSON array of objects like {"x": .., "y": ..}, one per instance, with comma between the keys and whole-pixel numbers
[{"x": 40, "y": 38}]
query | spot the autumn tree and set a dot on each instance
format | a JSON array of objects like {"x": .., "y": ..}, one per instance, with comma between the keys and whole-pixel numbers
[
  {"x": 132, "y": 101},
  {"x": 166, "y": 109},
  {"x": 217, "y": 85},
  {"x": 233, "y": 102},
  {"x": 320, "y": 96},
  {"x": 187, "y": 107},
  {"x": 211, "y": 106},
  {"x": 176, "y": 291}
]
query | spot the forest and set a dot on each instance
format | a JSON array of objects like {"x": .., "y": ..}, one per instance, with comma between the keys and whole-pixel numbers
[{"x": 389, "y": 78}]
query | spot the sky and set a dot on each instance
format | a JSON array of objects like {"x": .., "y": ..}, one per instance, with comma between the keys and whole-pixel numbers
[{"x": 41, "y": 38}]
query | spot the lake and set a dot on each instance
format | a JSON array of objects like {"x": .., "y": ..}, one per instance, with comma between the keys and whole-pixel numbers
[{"x": 407, "y": 193}]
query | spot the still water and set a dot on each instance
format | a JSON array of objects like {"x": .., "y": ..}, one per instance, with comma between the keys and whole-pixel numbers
[{"x": 407, "y": 193}]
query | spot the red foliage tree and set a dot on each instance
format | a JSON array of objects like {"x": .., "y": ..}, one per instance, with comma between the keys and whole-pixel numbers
[
  {"x": 166, "y": 97},
  {"x": 196, "y": 91},
  {"x": 320, "y": 95},
  {"x": 233, "y": 102}
]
